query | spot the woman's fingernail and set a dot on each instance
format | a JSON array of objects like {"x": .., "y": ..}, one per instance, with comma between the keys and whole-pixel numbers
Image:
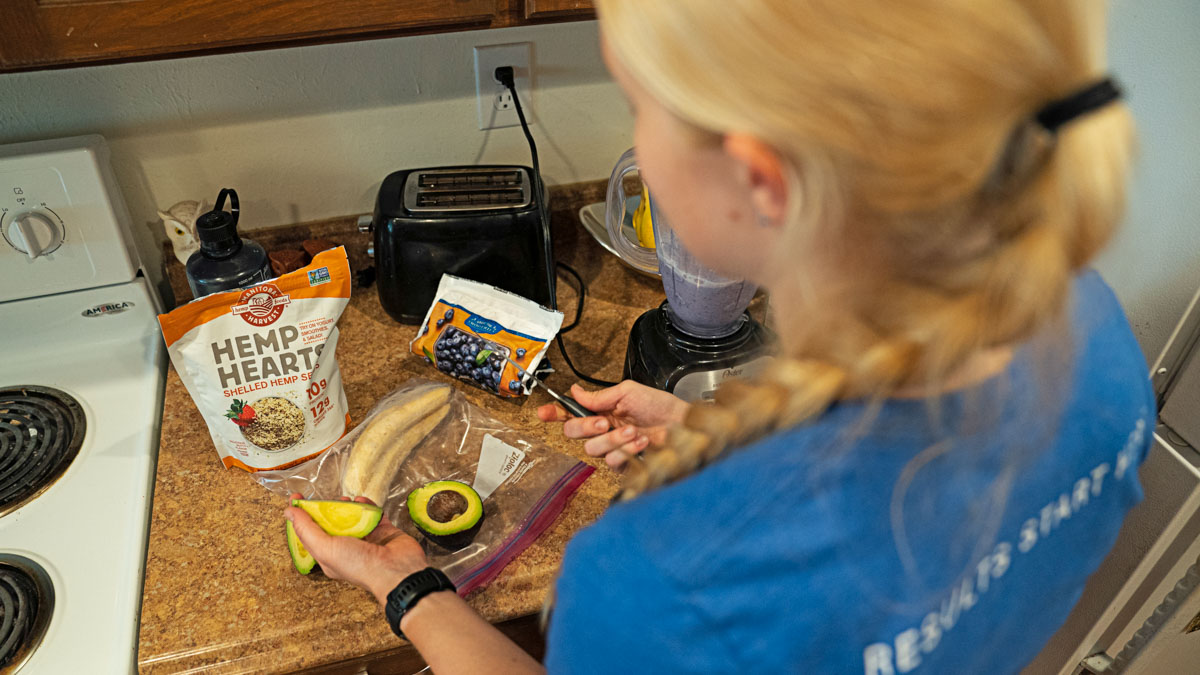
[
  {"x": 641, "y": 441},
  {"x": 288, "y": 515},
  {"x": 628, "y": 432},
  {"x": 602, "y": 425}
]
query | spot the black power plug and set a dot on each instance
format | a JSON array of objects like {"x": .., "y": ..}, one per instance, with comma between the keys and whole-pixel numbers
[{"x": 504, "y": 75}]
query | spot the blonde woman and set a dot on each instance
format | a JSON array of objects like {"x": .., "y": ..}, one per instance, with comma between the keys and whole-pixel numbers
[{"x": 948, "y": 444}]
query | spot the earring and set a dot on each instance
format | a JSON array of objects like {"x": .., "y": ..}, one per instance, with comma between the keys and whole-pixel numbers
[{"x": 762, "y": 220}]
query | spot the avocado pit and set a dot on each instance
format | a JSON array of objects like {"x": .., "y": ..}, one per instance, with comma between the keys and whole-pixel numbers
[{"x": 447, "y": 505}]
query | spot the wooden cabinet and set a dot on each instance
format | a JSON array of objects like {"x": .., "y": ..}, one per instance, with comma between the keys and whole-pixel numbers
[
  {"x": 549, "y": 9},
  {"x": 53, "y": 33}
]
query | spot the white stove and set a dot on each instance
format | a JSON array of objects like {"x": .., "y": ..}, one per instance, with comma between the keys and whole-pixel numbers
[{"x": 81, "y": 390}]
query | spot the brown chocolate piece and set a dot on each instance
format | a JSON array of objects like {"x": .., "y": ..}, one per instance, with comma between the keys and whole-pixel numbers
[
  {"x": 286, "y": 260},
  {"x": 315, "y": 246}
]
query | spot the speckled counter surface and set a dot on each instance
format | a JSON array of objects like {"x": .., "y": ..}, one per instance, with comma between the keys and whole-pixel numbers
[{"x": 220, "y": 592}]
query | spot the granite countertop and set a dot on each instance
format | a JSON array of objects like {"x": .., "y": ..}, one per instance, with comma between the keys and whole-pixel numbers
[{"x": 220, "y": 593}]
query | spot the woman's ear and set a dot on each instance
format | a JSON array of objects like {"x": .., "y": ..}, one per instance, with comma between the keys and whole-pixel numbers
[{"x": 762, "y": 169}]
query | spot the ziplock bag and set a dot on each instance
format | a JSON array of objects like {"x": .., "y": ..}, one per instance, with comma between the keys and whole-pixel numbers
[{"x": 524, "y": 485}]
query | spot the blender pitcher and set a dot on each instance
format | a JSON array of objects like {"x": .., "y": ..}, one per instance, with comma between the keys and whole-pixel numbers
[{"x": 700, "y": 302}]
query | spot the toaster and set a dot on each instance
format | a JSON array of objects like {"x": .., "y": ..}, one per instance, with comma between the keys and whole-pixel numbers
[{"x": 475, "y": 222}]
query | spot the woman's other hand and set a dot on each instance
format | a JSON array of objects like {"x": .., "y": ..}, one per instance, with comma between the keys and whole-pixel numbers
[
  {"x": 375, "y": 563},
  {"x": 630, "y": 417}
]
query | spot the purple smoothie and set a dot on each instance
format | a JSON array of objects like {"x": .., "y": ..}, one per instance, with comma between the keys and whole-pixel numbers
[{"x": 700, "y": 301}]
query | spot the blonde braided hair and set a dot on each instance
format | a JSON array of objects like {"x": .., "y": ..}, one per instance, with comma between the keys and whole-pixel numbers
[{"x": 907, "y": 134}]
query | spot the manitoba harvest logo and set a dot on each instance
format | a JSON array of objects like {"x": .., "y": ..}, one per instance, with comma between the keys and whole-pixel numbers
[{"x": 261, "y": 305}]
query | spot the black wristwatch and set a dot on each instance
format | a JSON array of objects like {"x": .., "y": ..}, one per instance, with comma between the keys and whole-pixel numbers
[{"x": 407, "y": 593}]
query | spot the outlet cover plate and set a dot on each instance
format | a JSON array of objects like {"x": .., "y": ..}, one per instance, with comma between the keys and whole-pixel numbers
[{"x": 493, "y": 104}]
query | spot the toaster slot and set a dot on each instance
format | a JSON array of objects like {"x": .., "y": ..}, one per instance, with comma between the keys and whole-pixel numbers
[
  {"x": 483, "y": 198},
  {"x": 467, "y": 189},
  {"x": 469, "y": 179}
]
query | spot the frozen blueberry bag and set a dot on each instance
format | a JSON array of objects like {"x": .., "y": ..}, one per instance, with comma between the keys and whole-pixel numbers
[{"x": 473, "y": 330}]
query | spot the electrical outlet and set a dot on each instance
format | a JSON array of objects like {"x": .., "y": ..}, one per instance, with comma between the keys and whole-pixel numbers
[{"x": 493, "y": 101}]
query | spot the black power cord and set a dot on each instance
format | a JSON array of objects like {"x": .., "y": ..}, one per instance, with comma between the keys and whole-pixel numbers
[
  {"x": 504, "y": 75},
  {"x": 582, "y": 292}
]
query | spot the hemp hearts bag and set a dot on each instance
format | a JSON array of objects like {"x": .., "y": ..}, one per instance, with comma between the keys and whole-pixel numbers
[{"x": 259, "y": 363}]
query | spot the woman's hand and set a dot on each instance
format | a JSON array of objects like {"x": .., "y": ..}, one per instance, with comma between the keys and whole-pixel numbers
[
  {"x": 450, "y": 636},
  {"x": 376, "y": 563},
  {"x": 631, "y": 416}
]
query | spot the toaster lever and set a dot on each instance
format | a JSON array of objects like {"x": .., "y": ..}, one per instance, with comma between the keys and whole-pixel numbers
[{"x": 365, "y": 223}]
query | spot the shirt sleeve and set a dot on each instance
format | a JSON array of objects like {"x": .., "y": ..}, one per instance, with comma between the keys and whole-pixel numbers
[{"x": 615, "y": 612}]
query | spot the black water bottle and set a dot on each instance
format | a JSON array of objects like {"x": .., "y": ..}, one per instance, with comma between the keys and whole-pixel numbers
[{"x": 225, "y": 261}]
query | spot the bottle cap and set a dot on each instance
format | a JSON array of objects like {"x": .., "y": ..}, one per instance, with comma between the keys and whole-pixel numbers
[{"x": 217, "y": 229}]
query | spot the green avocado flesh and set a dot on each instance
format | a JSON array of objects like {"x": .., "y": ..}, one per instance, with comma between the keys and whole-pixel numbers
[
  {"x": 301, "y": 558},
  {"x": 445, "y": 507},
  {"x": 342, "y": 518},
  {"x": 336, "y": 517}
]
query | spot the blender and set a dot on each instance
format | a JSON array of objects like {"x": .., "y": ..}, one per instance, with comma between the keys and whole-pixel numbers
[{"x": 702, "y": 334}]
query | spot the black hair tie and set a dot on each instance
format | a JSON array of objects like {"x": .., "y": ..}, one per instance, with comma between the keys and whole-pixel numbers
[{"x": 1057, "y": 113}]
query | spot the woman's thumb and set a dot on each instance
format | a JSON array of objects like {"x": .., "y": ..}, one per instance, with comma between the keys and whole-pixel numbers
[
  {"x": 311, "y": 535},
  {"x": 598, "y": 401}
]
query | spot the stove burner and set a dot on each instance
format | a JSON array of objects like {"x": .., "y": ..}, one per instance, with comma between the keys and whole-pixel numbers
[
  {"x": 26, "y": 603},
  {"x": 41, "y": 430}
]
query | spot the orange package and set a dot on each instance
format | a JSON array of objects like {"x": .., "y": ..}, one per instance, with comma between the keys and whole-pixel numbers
[{"x": 259, "y": 363}]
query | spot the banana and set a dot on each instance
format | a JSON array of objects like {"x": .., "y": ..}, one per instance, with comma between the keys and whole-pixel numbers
[
  {"x": 643, "y": 224},
  {"x": 387, "y": 442},
  {"x": 380, "y": 480}
]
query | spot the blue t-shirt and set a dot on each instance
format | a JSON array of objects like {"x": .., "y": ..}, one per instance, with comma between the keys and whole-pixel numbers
[{"x": 896, "y": 538}]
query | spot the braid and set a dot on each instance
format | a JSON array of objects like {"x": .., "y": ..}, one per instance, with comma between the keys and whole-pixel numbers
[{"x": 743, "y": 411}]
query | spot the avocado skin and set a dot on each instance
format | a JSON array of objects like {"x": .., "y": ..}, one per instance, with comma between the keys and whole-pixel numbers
[
  {"x": 288, "y": 533},
  {"x": 458, "y": 540}
]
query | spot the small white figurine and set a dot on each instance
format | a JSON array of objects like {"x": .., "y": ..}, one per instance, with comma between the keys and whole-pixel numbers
[{"x": 180, "y": 224}]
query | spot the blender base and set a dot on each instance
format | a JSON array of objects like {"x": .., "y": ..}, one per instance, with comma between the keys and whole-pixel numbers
[{"x": 662, "y": 356}]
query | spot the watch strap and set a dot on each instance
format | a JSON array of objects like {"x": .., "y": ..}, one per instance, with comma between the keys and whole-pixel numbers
[{"x": 407, "y": 593}]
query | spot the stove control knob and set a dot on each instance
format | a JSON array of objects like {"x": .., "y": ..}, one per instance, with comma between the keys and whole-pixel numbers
[{"x": 34, "y": 233}]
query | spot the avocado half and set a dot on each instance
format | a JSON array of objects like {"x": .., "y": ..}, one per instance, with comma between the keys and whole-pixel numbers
[
  {"x": 301, "y": 558},
  {"x": 342, "y": 518},
  {"x": 336, "y": 517},
  {"x": 447, "y": 511}
]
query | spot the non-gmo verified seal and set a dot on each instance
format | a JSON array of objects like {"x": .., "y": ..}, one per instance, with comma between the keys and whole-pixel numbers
[{"x": 318, "y": 276}]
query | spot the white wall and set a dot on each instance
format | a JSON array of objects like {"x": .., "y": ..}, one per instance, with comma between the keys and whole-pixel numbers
[
  {"x": 1154, "y": 262},
  {"x": 310, "y": 132}
]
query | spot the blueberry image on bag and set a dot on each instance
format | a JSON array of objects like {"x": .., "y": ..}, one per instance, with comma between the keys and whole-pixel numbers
[{"x": 468, "y": 357}]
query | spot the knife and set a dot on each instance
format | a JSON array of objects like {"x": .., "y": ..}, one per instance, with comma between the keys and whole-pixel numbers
[{"x": 567, "y": 402}]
